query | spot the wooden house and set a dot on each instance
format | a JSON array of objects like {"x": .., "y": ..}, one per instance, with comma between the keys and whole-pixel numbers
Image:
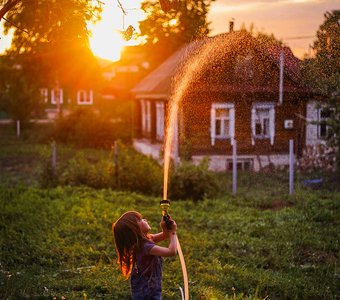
[{"x": 239, "y": 94}]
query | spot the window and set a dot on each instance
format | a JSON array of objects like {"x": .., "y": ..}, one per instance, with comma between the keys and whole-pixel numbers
[
  {"x": 160, "y": 120},
  {"x": 84, "y": 97},
  {"x": 324, "y": 130},
  {"x": 222, "y": 118},
  {"x": 57, "y": 96},
  {"x": 146, "y": 115},
  {"x": 44, "y": 95},
  {"x": 242, "y": 164},
  {"x": 263, "y": 122}
]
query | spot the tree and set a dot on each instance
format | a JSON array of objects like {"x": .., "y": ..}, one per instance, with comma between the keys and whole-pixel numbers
[
  {"x": 50, "y": 44},
  {"x": 164, "y": 33},
  {"x": 19, "y": 96},
  {"x": 54, "y": 34},
  {"x": 323, "y": 73}
]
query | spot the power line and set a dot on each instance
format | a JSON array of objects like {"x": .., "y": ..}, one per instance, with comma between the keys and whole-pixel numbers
[{"x": 299, "y": 37}]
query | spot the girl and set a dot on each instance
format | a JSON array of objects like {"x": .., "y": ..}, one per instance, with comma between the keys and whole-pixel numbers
[{"x": 139, "y": 256}]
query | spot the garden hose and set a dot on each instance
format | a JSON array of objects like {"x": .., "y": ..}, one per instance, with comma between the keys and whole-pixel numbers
[{"x": 165, "y": 206}]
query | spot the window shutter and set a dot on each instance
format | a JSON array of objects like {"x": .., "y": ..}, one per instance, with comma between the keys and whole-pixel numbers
[
  {"x": 232, "y": 124},
  {"x": 91, "y": 96},
  {"x": 143, "y": 114},
  {"x": 212, "y": 125},
  {"x": 148, "y": 116},
  {"x": 253, "y": 118},
  {"x": 272, "y": 125}
]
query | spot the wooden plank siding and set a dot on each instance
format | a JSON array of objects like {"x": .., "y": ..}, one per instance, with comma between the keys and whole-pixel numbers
[{"x": 196, "y": 122}]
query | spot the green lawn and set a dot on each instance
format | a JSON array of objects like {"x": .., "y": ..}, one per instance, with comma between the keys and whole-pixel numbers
[{"x": 260, "y": 244}]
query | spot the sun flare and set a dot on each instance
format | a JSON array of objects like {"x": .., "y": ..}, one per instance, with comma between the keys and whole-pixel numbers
[{"x": 106, "y": 40}]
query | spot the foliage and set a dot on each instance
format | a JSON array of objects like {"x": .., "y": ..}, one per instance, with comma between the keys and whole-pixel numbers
[
  {"x": 323, "y": 73},
  {"x": 52, "y": 37},
  {"x": 58, "y": 242},
  {"x": 127, "y": 170},
  {"x": 86, "y": 128},
  {"x": 324, "y": 68},
  {"x": 19, "y": 96},
  {"x": 165, "y": 33},
  {"x": 193, "y": 182}
]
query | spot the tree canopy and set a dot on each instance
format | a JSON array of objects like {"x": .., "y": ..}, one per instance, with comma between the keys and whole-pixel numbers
[
  {"x": 164, "y": 32},
  {"x": 323, "y": 73},
  {"x": 323, "y": 70},
  {"x": 52, "y": 34}
]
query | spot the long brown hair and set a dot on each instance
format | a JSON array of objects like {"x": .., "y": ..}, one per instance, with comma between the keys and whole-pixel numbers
[{"x": 128, "y": 239}]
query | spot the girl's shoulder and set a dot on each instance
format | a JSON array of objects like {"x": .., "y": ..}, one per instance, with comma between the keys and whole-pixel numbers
[{"x": 147, "y": 245}]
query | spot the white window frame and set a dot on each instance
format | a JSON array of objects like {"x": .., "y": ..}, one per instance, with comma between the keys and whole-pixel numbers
[
  {"x": 44, "y": 95},
  {"x": 270, "y": 106},
  {"x": 146, "y": 115},
  {"x": 231, "y": 134},
  {"x": 54, "y": 100},
  {"x": 160, "y": 120},
  {"x": 320, "y": 120},
  {"x": 87, "y": 96}
]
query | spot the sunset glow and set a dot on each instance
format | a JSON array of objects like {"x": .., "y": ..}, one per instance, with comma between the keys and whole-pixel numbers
[{"x": 106, "y": 40}]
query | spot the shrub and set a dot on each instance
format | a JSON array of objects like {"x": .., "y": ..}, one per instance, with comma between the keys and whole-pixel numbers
[
  {"x": 193, "y": 182},
  {"x": 129, "y": 171},
  {"x": 89, "y": 129},
  {"x": 136, "y": 172}
]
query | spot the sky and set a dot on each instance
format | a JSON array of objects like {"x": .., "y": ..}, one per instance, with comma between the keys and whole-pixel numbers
[{"x": 295, "y": 22}]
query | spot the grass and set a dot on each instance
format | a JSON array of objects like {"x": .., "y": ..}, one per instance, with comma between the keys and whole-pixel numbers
[{"x": 260, "y": 244}]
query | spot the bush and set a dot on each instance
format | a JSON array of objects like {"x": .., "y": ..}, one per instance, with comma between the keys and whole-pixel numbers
[
  {"x": 129, "y": 171},
  {"x": 136, "y": 172},
  {"x": 86, "y": 128},
  {"x": 193, "y": 182}
]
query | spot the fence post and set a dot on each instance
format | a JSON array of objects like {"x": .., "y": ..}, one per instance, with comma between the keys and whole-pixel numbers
[
  {"x": 54, "y": 159},
  {"x": 291, "y": 167},
  {"x": 18, "y": 128},
  {"x": 234, "y": 167},
  {"x": 115, "y": 159}
]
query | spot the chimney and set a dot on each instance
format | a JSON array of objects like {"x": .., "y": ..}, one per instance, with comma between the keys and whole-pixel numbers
[{"x": 231, "y": 25}]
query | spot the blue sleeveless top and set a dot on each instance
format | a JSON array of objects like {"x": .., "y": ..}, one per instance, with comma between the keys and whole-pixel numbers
[{"x": 146, "y": 276}]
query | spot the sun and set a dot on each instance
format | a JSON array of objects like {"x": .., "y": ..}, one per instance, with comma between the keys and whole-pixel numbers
[
  {"x": 106, "y": 43},
  {"x": 106, "y": 40}
]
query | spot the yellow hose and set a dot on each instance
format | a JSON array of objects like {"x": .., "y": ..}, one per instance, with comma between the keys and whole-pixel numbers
[{"x": 184, "y": 270}]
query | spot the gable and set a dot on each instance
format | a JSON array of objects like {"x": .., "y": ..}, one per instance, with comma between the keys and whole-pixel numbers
[{"x": 236, "y": 58}]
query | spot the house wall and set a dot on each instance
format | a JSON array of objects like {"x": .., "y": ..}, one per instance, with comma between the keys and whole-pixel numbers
[
  {"x": 197, "y": 125},
  {"x": 219, "y": 163}
]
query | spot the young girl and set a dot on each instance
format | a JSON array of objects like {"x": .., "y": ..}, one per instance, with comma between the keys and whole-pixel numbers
[{"x": 139, "y": 256}]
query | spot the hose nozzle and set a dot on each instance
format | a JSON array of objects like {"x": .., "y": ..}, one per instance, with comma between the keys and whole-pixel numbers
[{"x": 165, "y": 206}]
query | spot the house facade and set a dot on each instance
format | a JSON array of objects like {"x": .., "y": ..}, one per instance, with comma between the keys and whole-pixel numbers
[
  {"x": 58, "y": 100},
  {"x": 250, "y": 92}
]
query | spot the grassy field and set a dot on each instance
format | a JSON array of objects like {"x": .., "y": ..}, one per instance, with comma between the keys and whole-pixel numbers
[{"x": 260, "y": 244}]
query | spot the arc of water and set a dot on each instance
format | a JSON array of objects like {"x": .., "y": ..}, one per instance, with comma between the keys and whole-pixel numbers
[{"x": 193, "y": 66}]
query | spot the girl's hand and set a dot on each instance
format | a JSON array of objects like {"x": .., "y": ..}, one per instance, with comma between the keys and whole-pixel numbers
[
  {"x": 173, "y": 226},
  {"x": 165, "y": 230}
]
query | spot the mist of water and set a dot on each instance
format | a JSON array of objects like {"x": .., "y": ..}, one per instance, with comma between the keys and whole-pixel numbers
[
  {"x": 210, "y": 50},
  {"x": 184, "y": 80}
]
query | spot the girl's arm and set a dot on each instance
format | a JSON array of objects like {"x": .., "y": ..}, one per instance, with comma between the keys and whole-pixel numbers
[
  {"x": 158, "y": 237},
  {"x": 171, "y": 250}
]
